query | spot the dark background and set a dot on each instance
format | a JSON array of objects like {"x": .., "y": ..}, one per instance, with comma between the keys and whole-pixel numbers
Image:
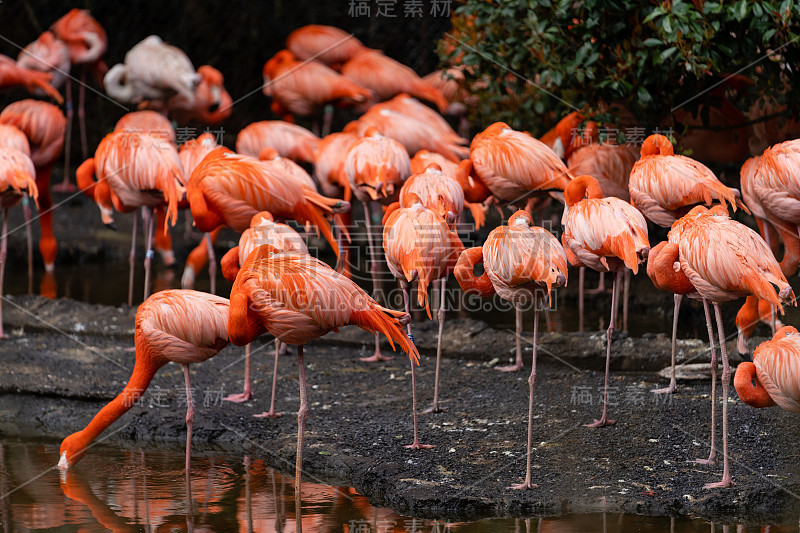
[{"x": 236, "y": 37}]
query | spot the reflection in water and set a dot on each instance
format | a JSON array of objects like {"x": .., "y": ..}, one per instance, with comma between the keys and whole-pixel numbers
[{"x": 123, "y": 490}]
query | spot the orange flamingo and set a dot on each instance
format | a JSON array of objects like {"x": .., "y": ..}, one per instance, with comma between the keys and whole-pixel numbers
[
  {"x": 17, "y": 178},
  {"x": 326, "y": 44},
  {"x": 44, "y": 125},
  {"x": 606, "y": 235},
  {"x": 178, "y": 326},
  {"x": 263, "y": 230},
  {"x": 47, "y": 54},
  {"x": 725, "y": 260},
  {"x": 134, "y": 169},
  {"x": 298, "y": 298},
  {"x": 386, "y": 78},
  {"x": 419, "y": 245},
  {"x": 665, "y": 186},
  {"x": 563, "y": 139},
  {"x": 521, "y": 262},
  {"x": 376, "y": 167},
  {"x": 13, "y": 75},
  {"x": 290, "y": 140},
  {"x": 210, "y": 104},
  {"x": 413, "y": 125},
  {"x": 452, "y": 84},
  {"x": 772, "y": 378},
  {"x": 304, "y": 88},
  {"x": 12, "y": 137},
  {"x": 86, "y": 41}
]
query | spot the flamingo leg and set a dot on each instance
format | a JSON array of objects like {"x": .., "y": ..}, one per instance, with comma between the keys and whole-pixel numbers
[
  {"x": 26, "y": 208},
  {"x": 672, "y": 381},
  {"x": 531, "y": 388},
  {"x": 581, "y": 283},
  {"x": 712, "y": 456},
  {"x": 247, "y": 499},
  {"x": 3, "y": 252},
  {"x": 626, "y": 286},
  {"x": 604, "y": 420},
  {"x": 302, "y": 413},
  {"x": 132, "y": 260},
  {"x": 246, "y": 392},
  {"x": 372, "y": 265},
  {"x": 601, "y": 285},
  {"x": 327, "y": 119},
  {"x": 148, "y": 254},
  {"x": 82, "y": 114},
  {"x": 212, "y": 264},
  {"x": 189, "y": 418},
  {"x": 435, "y": 407},
  {"x": 65, "y": 185},
  {"x": 518, "y": 363},
  {"x": 726, "y": 378},
  {"x": 271, "y": 413},
  {"x": 416, "y": 445}
]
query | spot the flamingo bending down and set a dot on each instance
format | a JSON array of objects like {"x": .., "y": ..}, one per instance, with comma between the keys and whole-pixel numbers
[
  {"x": 298, "y": 298},
  {"x": 210, "y": 104},
  {"x": 13, "y": 75},
  {"x": 376, "y": 167},
  {"x": 326, "y": 44},
  {"x": 17, "y": 178},
  {"x": 606, "y": 235},
  {"x": 725, "y": 260},
  {"x": 181, "y": 326},
  {"x": 772, "y": 378},
  {"x": 521, "y": 262},
  {"x": 263, "y": 230},
  {"x": 290, "y": 140},
  {"x": 420, "y": 245}
]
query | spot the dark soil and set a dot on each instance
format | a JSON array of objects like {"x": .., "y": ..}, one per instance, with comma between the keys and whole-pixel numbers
[{"x": 64, "y": 359}]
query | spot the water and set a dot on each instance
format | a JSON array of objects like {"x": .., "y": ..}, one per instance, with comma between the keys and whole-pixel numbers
[{"x": 124, "y": 488}]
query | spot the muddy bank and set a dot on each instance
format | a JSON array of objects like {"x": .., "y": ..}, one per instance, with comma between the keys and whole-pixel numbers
[{"x": 65, "y": 359}]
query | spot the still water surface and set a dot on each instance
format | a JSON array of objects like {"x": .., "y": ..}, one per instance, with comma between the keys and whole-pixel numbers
[{"x": 127, "y": 489}]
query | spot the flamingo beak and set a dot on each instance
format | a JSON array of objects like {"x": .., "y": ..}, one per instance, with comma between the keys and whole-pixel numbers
[
  {"x": 741, "y": 342},
  {"x": 63, "y": 464}
]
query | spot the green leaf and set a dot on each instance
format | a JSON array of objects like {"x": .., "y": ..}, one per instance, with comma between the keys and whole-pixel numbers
[
  {"x": 667, "y": 25},
  {"x": 657, "y": 12},
  {"x": 668, "y": 52},
  {"x": 652, "y": 42}
]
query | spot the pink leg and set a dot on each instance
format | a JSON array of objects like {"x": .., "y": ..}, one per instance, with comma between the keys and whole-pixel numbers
[
  {"x": 65, "y": 186},
  {"x": 131, "y": 260},
  {"x": 672, "y": 381},
  {"x": 3, "y": 254},
  {"x": 327, "y": 119},
  {"x": 271, "y": 413},
  {"x": 212, "y": 264},
  {"x": 712, "y": 456},
  {"x": 189, "y": 418},
  {"x": 82, "y": 114},
  {"x": 601, "y": 285},
  {"x": 148, "y": 254},
  {"x": 726, "y": 378},
  {"x": 581, "y": 291},
  {"x": 416, "y": 444},
  {"x": 518, "y": 364},
  {"x": 246, "y": 393},
  {"x": 531, "y": 387},
  {"x": 372, "y": 265},
  {"x": 435, "y": 407},
  {"x": 26, "y": 209},
  {"x": 604, "y": 420},
  {"x": 302, "y": 413},
  {"x": 626, "y": 286}
]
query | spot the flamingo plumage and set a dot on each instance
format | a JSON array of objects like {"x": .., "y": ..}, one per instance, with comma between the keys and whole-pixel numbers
[
  {"x": 773, "y": 378},
  {"x": 290, "y": 140},
  {"x": 326, "y": 44}
]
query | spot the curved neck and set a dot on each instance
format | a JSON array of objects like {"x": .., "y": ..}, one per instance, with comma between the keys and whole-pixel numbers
[
  {"x": 475, "y": 191},
  {"x": 465, "y": 274},
  {"x": 580, "y": 188},
  {"x": 660, "y": 269},
  {"x": 749, "y": 388},
  {"x": 657, "y": 145},
  {"x": 747, "y": 317},
  {"x": 205, "y": 219}
]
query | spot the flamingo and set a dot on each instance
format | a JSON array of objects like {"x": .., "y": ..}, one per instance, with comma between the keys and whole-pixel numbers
[
  {"x": 376, "y": 167},
  {"x": 725, "y": 260},
  {"x": 134, "y": 169},
  {"x": 263, "y": 230},
  {"x": 153, "y": 70},
  {"x": 47, "y": 54},
  {"x": 13, "y": 75},
  {"x": 86, "y": 41},
  {"x": 420, "y": 245},
  {"x": 771, "y": 379},
  {"x": 17, "y": 178},
  {"x": 209, "y": 104},
  {"x": 44, "y": 125},
  {"x": 305, "y": 88},
  {"x": 451, "y": 83},
  {"x": 413, "y": 125},
  {"x": 326, "y": 44},
  {"x": 290, "y": 140},
  {"x": 563, "y": 139},
  {"x": 520, "y": 262},
  {"x": 386, "y": 78},
  {"x": 176, "y": 325},
  {"x": 606, "y": 235},
  {"x": 298, "y": 298}
]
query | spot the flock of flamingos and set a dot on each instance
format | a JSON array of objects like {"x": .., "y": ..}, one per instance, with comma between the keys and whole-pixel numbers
[{"x": 609, "y": 192}]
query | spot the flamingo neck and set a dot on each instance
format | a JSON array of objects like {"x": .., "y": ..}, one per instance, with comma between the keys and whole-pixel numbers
[
  {"x": 749, "y": 388},
  {"x": 580, "y": 188},
  {"x": 465, "y": 273},
  {"x": 661, "y": 269},
  {"x": 657, "y": 145}
]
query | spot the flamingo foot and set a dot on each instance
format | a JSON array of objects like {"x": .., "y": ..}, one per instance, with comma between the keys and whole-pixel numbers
[
  {"x": 666, "y": 390},
  {"x": 417, "y": 446},
  {"x": 523, "y": 486},
  {"x": 131, "y": 349},
  {"x": 3, "y": 335},
  {"x": 709, "y": 461},
  {"x": 269, "y": 414},
  {"x": 238, "y": 398},
  {"x": 432, "y": 409},
  {"x": 601, "y": 423},
  {"x": 516, "y": 367},
  {"x": 376, "y": 357},
  {"x": 64, "y": 187},
  {"x": 724, "y": 484}
]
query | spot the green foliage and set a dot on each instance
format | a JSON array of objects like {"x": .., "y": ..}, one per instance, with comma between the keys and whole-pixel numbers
[{"x": 646, "y": 57}]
